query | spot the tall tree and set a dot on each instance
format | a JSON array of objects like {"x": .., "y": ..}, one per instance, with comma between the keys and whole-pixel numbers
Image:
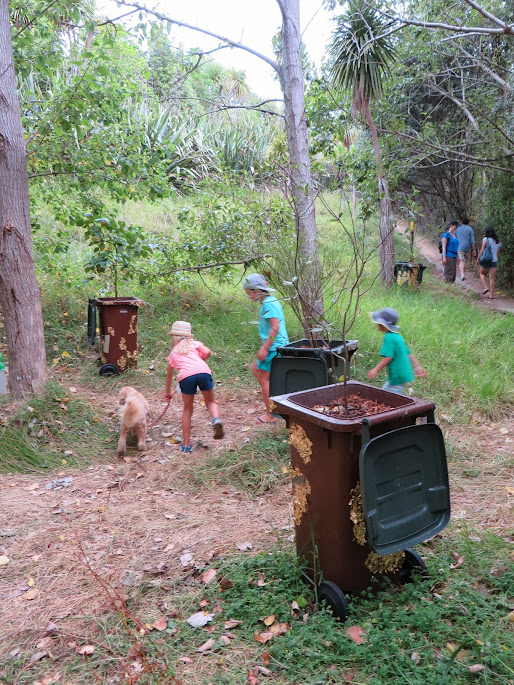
[
  {"x": 361, "y": 59},
  {"x": 20, "y": 300},
  {"x": 290, "y": 72}
]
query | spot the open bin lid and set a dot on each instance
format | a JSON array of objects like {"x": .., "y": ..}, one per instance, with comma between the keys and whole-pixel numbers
[
  {"x": 404, "y": 487},
  {"x": 292, "y": 374}
]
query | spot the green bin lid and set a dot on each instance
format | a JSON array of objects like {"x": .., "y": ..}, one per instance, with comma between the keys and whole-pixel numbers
[
  {"x": 292, "y": 374},
  {"x": 404, "y": 487}
]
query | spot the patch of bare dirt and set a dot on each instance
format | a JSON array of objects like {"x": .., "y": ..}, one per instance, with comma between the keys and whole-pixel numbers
[{"x": 138, "y": 521}]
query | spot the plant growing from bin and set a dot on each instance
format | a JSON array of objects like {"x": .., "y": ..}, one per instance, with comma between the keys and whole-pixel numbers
[
  {"x": 115, "y": 246},
  {"x": 343, "y": 281}
]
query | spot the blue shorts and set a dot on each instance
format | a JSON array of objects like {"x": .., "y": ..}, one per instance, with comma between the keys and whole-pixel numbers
[
  {"x": 398, "y": 389},
  {"x": 266, "y": 364},
  {"x": 189, "y": 385}
]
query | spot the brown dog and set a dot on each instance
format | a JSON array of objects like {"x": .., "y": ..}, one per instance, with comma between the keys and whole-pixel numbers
[{"x": 133, "y": 410}]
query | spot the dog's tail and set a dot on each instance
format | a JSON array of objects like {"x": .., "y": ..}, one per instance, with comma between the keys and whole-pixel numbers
[{"x": 131, "y": 411}]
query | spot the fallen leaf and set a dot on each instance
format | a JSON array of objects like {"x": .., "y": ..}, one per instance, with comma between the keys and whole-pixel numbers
[
  {"x": 269, "y": 620},
  {"x": 476, "y": 668},
  {"x": 207, "y": 576},
  {"x": 31, "y": 594},
  {"x": 253, "y": 677},
  {"x": 226, "y": 584},
  {"x": 225, "y": 640},
  {"x": 511, "y": 616},
  {"x": 186, "y": 558},
  {"x": 85, "y": 649},
  {"x": 280, "y": 628},
  {"x": 186, "y": 660},
  {"x": 265, "y": 658},
  {"x": 295, "y": 608},
  {"x": 264, "y": 670},
  {"x": 31, "y": 582},
  {"x": 509, "y": 490},
  {"x": 263, "y": 637},
  {"x": 50, "y": 627},
  {"x": 459, "y": 560},
  {"x": 415, "y": 657},
  {"x": 46, "y": 643},
  {"x": 37, "y": 656},
  {"x": 204, "y": 603},
  {"x": 200, "y": 619},
  {"x": 160, "y": 624},
  {"x": 355, "y": 633},
  {"x": 232, "y": 623},
  {"x": 243, "y": 546},
  {"x": 206, "y": 646}
]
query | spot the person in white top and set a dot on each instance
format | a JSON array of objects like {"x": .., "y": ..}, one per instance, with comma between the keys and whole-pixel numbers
[{"x": 489, "y": 268}]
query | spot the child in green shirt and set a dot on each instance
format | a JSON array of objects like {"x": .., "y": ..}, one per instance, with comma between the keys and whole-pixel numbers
[{"x": 395, "y": 353}]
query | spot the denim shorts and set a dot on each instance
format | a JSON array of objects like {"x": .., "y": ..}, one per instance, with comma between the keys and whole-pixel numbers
[
  {"x": 189, "y": 385},
  {"x": 398, "y": 389}
]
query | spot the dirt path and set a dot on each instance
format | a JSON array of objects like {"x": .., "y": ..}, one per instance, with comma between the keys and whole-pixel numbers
[
  {"x": 146, "y": 521},
  {"x": 430, "y": 254}
]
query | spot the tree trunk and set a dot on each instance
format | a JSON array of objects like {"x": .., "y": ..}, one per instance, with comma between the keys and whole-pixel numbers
[
  {"x": 385, "y": 232},
  {"x": 20, "y": 301},
  {"x": 292, "y": 82}
]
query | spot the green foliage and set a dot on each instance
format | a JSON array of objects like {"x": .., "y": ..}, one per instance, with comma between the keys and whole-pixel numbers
[
  {"x": 360, "y": 57},
  {"x": 115, "y": 246},
  {"x": 256, "y": 466},
  {"x": 499, "y": 213},
  {"x": 38, "y": 434}
]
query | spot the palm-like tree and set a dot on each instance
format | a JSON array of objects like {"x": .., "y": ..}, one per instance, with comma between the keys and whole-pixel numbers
[{"x": 361, "y": 57}]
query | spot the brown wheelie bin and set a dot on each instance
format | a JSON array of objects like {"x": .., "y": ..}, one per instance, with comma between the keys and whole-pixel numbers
[
  {"x": 118, "y": 332},
  {"x": 364, "y": 490}
]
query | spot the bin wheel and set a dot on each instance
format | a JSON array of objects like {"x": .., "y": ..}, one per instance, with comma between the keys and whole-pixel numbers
[
  {"x": 413, "y": 564},
  {"x": 334, "y": 598},
  {"x": 108, "y": 370}
]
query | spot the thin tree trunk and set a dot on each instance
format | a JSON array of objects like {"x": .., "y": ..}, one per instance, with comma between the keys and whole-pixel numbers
[
  {"x": 292, "y": 82},
  {"x": 20, "y": 300},
  {"x": 386, "y": 242}
]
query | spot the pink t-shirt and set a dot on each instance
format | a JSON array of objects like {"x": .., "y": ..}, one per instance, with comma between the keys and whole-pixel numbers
[{"x": 191, "y": 363}]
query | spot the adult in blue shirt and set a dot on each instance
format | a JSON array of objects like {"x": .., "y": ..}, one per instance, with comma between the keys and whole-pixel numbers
[
  {"x": 272, "y": 331},
  {"x": 467, "y": 247},
  {"x": 450, "y": 252}
]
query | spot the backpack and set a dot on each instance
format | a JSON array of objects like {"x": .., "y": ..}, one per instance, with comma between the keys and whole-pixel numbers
[{"x": 441, "y": 242}]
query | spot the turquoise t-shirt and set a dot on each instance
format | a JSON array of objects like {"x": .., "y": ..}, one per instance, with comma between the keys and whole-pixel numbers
[
  {"x": 272, "y": 309},
  {"x": 399, "y": 369}
]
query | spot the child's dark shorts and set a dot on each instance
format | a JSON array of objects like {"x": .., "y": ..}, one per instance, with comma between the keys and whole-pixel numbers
[{"x": 189, "y": 385}]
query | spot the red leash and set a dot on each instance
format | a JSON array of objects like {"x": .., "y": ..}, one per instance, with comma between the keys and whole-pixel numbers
[{"x": 160, "y": 417}]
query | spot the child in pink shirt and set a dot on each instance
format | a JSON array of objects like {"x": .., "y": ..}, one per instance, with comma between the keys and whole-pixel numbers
[{"x": 188, "y": 357}]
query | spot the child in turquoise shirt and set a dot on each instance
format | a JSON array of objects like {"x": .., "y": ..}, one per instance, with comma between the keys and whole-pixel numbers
[
  {"x": 273, "y": 333},
  {"x": 395, "y": 353}
]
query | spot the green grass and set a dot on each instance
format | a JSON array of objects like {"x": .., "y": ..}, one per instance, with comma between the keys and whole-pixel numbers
[
  {"x": 41, "y": 431},
  {"x": 256, "y": 467},
  {"x": 428, "y": 631}
]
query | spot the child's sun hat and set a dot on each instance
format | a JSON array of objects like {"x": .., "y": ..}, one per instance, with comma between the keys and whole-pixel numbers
[
  {"x": 257, "y": 282},
  {"x": 387, "y": 317},
  {"x": 181, "y": 328}
]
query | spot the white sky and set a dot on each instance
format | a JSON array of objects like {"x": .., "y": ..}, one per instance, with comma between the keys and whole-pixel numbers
[{"x": 252, "y": 22}]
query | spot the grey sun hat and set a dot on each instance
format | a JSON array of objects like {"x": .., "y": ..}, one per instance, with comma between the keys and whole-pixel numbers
[
  {"x": 387, "y": 317},
  {"x": 257, "y": 282}
]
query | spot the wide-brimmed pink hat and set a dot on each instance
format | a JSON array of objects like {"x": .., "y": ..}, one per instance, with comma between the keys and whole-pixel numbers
[{"x": 181, "y": 328}]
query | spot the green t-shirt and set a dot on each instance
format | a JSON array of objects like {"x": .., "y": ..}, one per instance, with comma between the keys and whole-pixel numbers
[{"x": 399, "y": 369}]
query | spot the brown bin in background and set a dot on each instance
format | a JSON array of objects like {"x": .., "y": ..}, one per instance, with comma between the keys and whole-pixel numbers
[
  {"x": 325, "y": 472},
  {"x": 118, "y": 332}
]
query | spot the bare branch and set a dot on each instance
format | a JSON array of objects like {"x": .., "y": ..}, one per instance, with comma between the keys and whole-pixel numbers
[
  {"x": 230, "y": 43},
  {"x": 502, "y": 28}
]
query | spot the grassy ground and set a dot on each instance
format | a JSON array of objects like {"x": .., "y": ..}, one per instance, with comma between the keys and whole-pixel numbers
[{"x": 453, "y": 628}]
